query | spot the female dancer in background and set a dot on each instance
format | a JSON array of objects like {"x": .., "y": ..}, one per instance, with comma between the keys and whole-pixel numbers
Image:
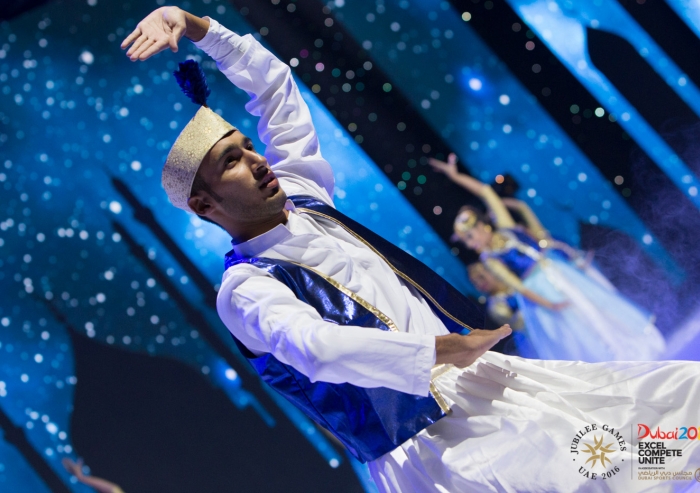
[
  {"x": 533, "y": 226},
  {"x": 581, "y": 318},
  {"x": 502, "y": 308}
]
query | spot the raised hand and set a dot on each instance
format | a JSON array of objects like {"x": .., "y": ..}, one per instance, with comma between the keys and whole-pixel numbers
[
  {"x": 99, "y": 484},
  {"x": 462, "y": 351},
  {"x": 449, "y": 168},
  {"x": 561, "y": 305},
  {"x": 75, "y": 468},
  {"x": 585, "y": 261},
  {"x": 161, "y": 29}
]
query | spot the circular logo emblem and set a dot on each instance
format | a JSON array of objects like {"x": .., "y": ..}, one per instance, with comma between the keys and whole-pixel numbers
[
  {"x": 697, "y": 475},
  {"x": 597, "y": 451}
]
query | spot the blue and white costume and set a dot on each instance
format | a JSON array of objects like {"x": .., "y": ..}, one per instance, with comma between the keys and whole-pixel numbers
[
  {"x": 598, "y": 324},
  {"x": 512, "y": 419}
]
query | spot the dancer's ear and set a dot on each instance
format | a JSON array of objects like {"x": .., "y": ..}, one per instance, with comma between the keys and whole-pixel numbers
[{"x": 201, "y": 204}]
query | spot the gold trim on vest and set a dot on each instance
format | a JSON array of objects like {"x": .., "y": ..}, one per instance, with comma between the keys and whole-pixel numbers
[
  {"x": 434, "y": 392},
  {"x": 398, "y": 272}
]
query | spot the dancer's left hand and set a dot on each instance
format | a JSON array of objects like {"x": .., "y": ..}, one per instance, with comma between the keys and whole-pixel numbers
[
  {"x": 463, "y": 350},
  {"x": 559, "y": 306},
  {"x": 75, "y": 468},
  {"x": 449, "y": 168}
]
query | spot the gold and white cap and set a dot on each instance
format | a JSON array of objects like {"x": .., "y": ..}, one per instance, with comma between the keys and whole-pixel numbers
[{"x": 204, "y": 130}]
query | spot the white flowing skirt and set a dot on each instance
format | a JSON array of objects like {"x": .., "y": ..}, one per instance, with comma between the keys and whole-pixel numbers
[
  {"x": 598, "y": 325},
  {"x": 513, "y": 422}
]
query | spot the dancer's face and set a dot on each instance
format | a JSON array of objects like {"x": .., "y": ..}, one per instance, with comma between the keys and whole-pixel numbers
[
  {"x": 478, "y": 237},
  {"x": 483, "y": 280},
  {"x": 238, "y": 184}
]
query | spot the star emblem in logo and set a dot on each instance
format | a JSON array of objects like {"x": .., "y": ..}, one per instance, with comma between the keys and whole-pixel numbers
[{"x": 598, "y": 452}]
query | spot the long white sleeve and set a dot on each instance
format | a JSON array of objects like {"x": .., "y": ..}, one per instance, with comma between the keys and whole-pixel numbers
[
  {"x": 262, "y": 312},
  {"x": 266, "y": 317},
  {"x": 285, "y": 124}
]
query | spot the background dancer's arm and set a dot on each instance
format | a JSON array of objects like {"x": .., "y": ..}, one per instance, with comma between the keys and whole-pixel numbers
[
  {"x": 99, "y": 484},
  {"x": 267, "y": 317},
  {"x": 537, "y": 229},
  {"x": 532, "y": 222},
  {"x": 504, "y": 274},
  {"x": 497, "y": 210}
]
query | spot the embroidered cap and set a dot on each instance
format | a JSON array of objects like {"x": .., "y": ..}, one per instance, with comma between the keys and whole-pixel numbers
[{"x": 204, "y": 130}]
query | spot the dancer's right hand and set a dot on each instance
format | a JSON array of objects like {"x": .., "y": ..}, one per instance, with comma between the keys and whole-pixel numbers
[
  {"x": 462, "y": 351},
  {"x": 559, "y": 305},
  {"x": 162, "y": 29}
]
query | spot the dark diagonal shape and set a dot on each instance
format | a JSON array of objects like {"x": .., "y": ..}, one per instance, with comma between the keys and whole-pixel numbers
[
  {"x": 379, "y": 117},
  {"x": 15, "y": 435},
  {"x": 145, "y": 216},
  {"x": 669, "y": 31}
]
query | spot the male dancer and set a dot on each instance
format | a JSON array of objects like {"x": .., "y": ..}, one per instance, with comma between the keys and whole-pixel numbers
[{"x": 357, "y": 334}]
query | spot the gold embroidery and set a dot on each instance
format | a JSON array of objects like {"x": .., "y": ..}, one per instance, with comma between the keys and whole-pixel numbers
[
  {"x": 498, "y": 241},
  {"x": 439, "y": 399},
  {"x": 438, "y": 370},
  {"x": 398, "y": 272},
  {"x": 201, "y": 134},
  {"x": 465, "y": 221},
  {"x": 504, "y": 240},
  {"x": 434, "y": 392}
]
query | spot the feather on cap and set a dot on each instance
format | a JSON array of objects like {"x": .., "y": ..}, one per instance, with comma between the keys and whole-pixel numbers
[{"x": 191, "y": 79}]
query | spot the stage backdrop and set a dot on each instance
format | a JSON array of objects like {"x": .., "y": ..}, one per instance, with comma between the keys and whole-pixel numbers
[{"x": 110, "y": 346}]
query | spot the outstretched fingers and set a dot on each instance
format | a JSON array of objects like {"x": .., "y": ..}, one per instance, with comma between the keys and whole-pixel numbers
[
  {"x": 136, "y": 46},
  {"x": 436, "y": 164},
  {"x": 503, "y": 331},
  {"x": 148, "y": 48},
  {"x": 131, "y": 38},
  {"x": 483, "y": 340},
  {"x": 153, "y": 49}
]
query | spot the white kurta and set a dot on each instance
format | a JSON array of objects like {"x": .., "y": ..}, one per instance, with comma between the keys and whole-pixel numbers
[{"x": 513, "y": 419}]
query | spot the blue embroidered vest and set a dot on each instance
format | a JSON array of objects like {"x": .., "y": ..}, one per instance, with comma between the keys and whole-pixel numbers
[{"x": 368, "y": 421}]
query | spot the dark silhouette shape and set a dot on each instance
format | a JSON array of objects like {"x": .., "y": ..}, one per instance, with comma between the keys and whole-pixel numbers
[
  {"x": 637, "y": 80},
  {"x": 12, "y": 8},
  {"x": 156, "y": 425},
  {"x": 669, "y": 31}
]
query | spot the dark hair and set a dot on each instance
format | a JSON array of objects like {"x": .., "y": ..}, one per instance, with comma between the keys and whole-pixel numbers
[
  {"x": 481, "y": 216},
  {"x": 508, "y": 187}
]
